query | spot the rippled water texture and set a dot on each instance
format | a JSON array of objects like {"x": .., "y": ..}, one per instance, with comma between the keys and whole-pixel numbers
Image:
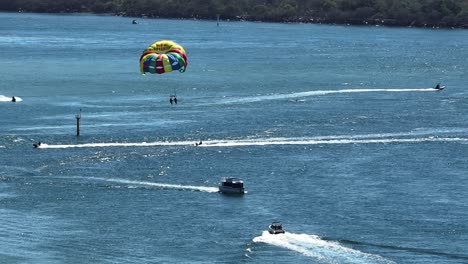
[{"x": 336, "y": 131}]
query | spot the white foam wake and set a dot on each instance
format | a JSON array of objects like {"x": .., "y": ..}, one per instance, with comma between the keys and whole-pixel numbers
[
  {"x": 117, "y": 144},
  {"x": 8, "y": 99},
  {"x": 267, "y": 142},
  {"x": 153, "y": 184},
  {"x": 318, "y": 93},
  {"x": 306, "y": 141},
  {"x": 321, "y": 250}
]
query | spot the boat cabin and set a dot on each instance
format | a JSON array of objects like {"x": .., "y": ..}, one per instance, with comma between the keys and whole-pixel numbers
[
  {"x": 276, "y": 228},
  {"x": 231, "y": 186}
]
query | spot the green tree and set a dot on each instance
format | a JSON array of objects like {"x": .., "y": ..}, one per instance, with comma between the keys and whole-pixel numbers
[{"x": 394, "y": 12}]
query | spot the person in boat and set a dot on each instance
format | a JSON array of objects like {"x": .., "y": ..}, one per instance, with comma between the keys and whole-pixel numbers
[
  {"x": 437, "y": 86},
  {"x": 13, "y": 99},
  {"x": 200, "y": 142},
  {"x": 170, "y": 100},
  {"x": 175, "y": 100}
]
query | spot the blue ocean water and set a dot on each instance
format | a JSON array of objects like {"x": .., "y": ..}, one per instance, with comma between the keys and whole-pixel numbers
[{"x": 334, "y": 129}]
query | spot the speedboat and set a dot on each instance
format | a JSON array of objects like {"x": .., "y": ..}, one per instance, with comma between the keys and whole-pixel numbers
[
  {"x": 231, "y": 186},
  {"x": 276, "y": 228}
]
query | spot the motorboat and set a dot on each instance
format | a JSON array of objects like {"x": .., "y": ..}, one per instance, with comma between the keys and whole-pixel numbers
[
  {"x": 276, "y": 228},
  {"x": 231, "y": 186}
]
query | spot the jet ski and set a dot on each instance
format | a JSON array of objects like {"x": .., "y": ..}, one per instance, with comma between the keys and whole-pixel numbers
[
  {"x": 439, "y": 87},
  {"x": 36, "y": 145}
]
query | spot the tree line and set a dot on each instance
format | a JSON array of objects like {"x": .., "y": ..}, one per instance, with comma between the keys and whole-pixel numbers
[{"x": 417, "y": 13}]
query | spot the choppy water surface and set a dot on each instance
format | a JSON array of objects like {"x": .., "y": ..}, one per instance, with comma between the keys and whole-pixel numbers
[{"x": 335, "y": 130}]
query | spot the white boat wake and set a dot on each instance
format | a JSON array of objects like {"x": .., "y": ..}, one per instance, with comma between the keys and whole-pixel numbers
[
  {"x": 317, "y": 93},
  {"x": 267, "y": 142},
  {"x": 306, "y": 141},
  {"x": 117, "y": 144},
  {"x": 146, "y": 184},
  {"x": 8, "y": 99},
  {"x": 322, "y": 250}
]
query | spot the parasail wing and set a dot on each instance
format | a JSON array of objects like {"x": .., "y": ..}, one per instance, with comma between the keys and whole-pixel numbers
[{"x": 163, "y": 57}]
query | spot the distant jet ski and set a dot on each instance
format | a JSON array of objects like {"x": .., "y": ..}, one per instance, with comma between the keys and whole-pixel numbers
[
  {"x": 36, "y": 145},
  {"x": 439, "y": 87}
]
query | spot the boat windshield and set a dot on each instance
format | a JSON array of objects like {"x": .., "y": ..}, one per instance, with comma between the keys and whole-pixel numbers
[
  {"x": 276, "y": 226},
  {"x": 234, "y": 183}
]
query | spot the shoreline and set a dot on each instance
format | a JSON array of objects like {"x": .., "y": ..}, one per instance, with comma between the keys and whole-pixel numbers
[{"x": 301, "y": 20}]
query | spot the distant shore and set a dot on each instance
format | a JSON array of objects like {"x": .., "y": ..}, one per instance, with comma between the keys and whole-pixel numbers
[
  {"x": 350, "y": 22},
  {"x": 449, "y": 14}
]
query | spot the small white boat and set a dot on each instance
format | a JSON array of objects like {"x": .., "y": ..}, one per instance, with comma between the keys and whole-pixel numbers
[
  {"x": 276, "y": 228},
  {"x": 231, "y": 186}
]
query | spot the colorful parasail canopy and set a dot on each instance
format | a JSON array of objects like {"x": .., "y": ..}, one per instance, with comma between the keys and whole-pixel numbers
[{"x": 162, "y": 57}]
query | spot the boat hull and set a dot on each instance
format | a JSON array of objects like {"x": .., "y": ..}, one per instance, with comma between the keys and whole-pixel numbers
[
  {"x": 229, "y": 190},
  {"x": 275, "y": 231}
]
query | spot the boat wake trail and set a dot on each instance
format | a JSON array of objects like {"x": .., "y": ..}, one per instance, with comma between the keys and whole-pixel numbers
[
  {"x": 145, "y": 184},
  {"x": 272, "y": 141},
  {"x": 318, "y": 93},
  {"x": 8, "y": 99},
  {"x": 322, "y": 250},
  {"x": 312, "y": 141},
  {"x": 117, "y": 144}
]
